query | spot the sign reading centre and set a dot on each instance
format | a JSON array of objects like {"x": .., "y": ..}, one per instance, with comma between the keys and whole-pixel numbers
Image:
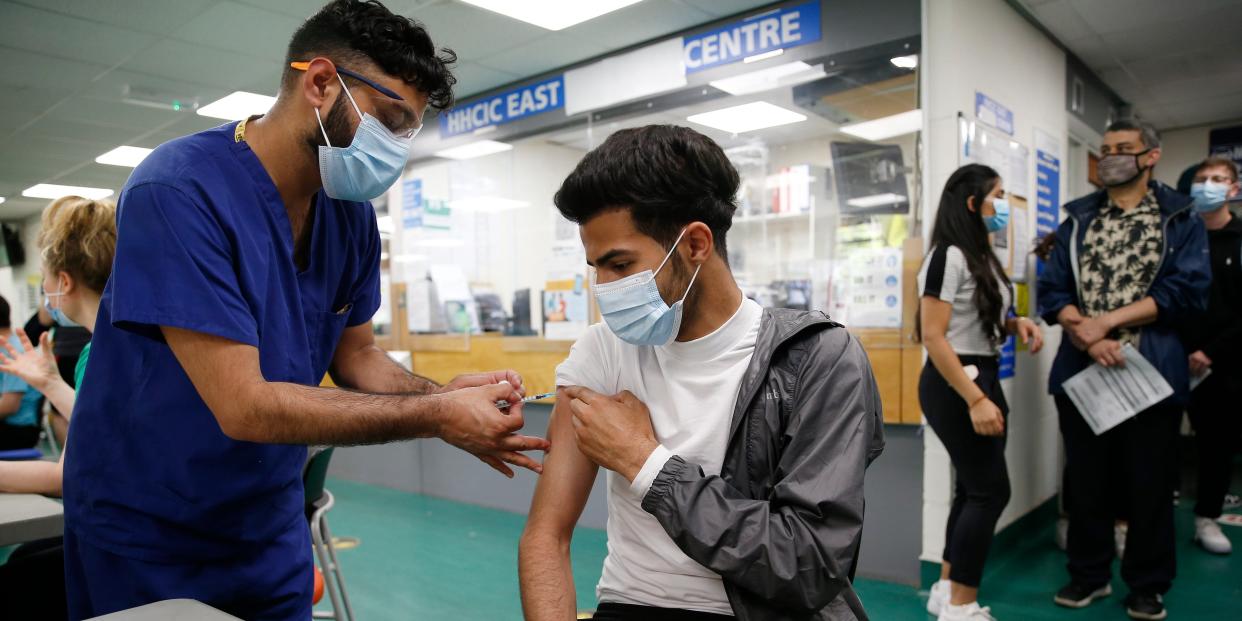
[
  {"x": 505, "y": 107},
  {"x": 774, "y": 30}
]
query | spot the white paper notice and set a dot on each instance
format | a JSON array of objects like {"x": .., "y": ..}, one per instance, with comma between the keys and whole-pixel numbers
[{"x": 1107, "y": 397}]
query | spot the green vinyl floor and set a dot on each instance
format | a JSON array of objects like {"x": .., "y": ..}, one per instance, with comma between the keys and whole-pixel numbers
[{"x": 419, "y": 558}]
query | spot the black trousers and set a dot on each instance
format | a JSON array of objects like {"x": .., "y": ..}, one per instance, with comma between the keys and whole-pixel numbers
[
  {"x": 981, "y": 487},
  {"x": 1133, "y": 462},
  {"x": 628, "y": 612},
  {"x": 32, "y": 582},
  {"x": 1216, "y": 414},
  {"x": 13, "y": 437}
]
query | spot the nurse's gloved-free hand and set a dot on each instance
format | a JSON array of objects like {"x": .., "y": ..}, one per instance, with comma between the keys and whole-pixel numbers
[
  {"x": 469, "y": 419},
  {"x": 471, "y": 380}
]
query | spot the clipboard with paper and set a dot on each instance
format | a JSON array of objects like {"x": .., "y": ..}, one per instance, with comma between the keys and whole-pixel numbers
[{"x": 1109, "y": 396}]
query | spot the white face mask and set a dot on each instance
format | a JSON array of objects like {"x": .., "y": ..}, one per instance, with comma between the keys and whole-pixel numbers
[{"x": 634, "y": 309}]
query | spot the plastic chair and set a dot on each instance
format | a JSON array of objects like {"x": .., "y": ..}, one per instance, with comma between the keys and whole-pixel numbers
[
  {"x": 318, "y": 502},
  {"x": 29, "y": 454}
]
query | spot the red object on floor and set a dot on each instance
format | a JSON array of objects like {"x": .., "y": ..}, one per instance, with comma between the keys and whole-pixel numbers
[{"x": 318, "y": 587}]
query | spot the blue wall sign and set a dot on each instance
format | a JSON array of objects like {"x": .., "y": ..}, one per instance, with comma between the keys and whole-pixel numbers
[
  {"x": 505, "y": 107},
  {"x": 1047, "y": 197},
  {"x": 778, "y": 29},
  {"x": 412, "y": 204},
  {"x": 1007, "y": 358},
  {"x": 991, "y": 112}
]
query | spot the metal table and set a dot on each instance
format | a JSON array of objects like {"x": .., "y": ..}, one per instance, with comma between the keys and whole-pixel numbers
[
  {"x": 170, "y": 610},
  {"x": 28, "y": 517}
]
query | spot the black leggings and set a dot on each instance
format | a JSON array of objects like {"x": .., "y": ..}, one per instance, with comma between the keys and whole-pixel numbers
[{"x": 981, "y": 487}]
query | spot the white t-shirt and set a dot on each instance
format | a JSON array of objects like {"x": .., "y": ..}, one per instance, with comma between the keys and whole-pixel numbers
[
  {"x": 946, "y": 275},
  {"x": 690, "y": 389}
]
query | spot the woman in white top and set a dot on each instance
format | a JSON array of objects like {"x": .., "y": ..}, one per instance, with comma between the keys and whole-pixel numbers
[{"x": 964, "y": 316}]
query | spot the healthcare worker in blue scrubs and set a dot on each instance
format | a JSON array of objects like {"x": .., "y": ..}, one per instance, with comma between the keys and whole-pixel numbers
[{"x": 247, "y": 266}]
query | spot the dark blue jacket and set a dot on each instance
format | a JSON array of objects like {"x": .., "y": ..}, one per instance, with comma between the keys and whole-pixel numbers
[{"x": 1180, "y": 288}]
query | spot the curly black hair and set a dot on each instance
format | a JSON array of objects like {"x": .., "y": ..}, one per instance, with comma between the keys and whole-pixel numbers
[
  {"x": 667, "y": 176},
  {"x": 349, "y": 31}
]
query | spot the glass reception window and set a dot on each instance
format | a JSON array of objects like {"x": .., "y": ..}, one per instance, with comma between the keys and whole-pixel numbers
[{"x": 827, "y": 209}]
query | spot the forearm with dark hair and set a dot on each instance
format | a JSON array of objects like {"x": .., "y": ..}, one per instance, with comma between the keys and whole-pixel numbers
[{"x": 278, "y": 412}]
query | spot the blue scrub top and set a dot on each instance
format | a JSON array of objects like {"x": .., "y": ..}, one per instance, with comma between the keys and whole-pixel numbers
[
  {"x": 204, "y": 243},
  {"x": 27, "y": 414}
]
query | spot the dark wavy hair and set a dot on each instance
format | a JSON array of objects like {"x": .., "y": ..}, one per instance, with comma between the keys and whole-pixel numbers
[
  {"x": 666, "y": 176},
  {"x": 350, "y": 31},
  {"x": 956, "y": 225}
]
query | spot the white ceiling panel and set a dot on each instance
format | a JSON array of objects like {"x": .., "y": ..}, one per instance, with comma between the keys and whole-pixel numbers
[
  {"x": 30, "y": 69},
  {"x": 474, "y": 78},
  {"x": 68, "y": 64},
  {"x": 474, "y": 33},
  {"x": 240, "y": 27},
  {"x": 552, "y": 50},
  {"x": 1175, "y": 62},
  {"x": 54, "y": 34},
  {"x": 158, "y": 17},
  {"x": 642, "y": 21},
  {"x": 184, "y": 61}
]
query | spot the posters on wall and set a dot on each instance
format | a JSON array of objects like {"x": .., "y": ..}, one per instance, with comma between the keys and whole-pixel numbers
[
  {"x": 1047, "y": 188},
  {"x": 1020, "y": 238},
  {"x": 566, "y": 307},
  {"x": 990, "y": 111},
  {"x": 411, "y": 204},
  {"x": 1226, "y": 142},
  {"x": 1008, "y": 358},
  {"x": 867, "y": 289}
]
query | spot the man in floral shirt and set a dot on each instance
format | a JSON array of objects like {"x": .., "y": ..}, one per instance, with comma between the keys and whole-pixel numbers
[{"x": 1129, "y": 263}]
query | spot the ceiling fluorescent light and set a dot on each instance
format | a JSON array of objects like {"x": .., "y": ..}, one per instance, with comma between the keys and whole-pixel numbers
[
  {"x": 53, "y": 191},
  {"x": 487, "y": 204},
  {"x": 747, "y": 117},
  {"x": 764, "y": 56},
  {"x": 905, "y": 62},
  {"x": 552, "y": 14},
  {"x": 478, "y": 148},
  {"x": 1, "y": 200},
  {"x": 788, "y": 74},
  {"x": 875, "y": 200},
  {"x": 237, "y": 106},
  {"x": 887, "y": 127},
  {"x": 124, "y": 156}
]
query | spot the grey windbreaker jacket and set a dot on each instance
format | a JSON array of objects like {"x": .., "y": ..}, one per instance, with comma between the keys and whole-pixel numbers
[{"x": 783, "y": 521}]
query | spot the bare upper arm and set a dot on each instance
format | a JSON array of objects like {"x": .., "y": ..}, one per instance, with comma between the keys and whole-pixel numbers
[
  {"x": 934, "y": 316},
  {"x": 566, "y": 481},
  {"x": 222, "y": 371}
]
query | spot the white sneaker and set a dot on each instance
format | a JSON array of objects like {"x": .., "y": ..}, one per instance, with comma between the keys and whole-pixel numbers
[
  {"x": 1209, "y": 537},
  {"x": 966, "y": 612},
  {"x": 938, "y": 597},
  {"x": 1119, "y": 538}
]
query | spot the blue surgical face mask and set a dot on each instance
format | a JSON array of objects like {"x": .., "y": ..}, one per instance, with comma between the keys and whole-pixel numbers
[
  {"x": 369, "y": 165},
  {"x": 58, "y": 315},
  {"x": 634, "y": 310},
  {"x": 999, "y": 220},
  {"x": 1209, "y": 196}
]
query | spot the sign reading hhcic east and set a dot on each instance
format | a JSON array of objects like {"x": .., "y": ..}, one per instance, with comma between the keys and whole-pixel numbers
[
  {"x": 775, "y": 30},
  {"x": 505, "y": 107}
]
